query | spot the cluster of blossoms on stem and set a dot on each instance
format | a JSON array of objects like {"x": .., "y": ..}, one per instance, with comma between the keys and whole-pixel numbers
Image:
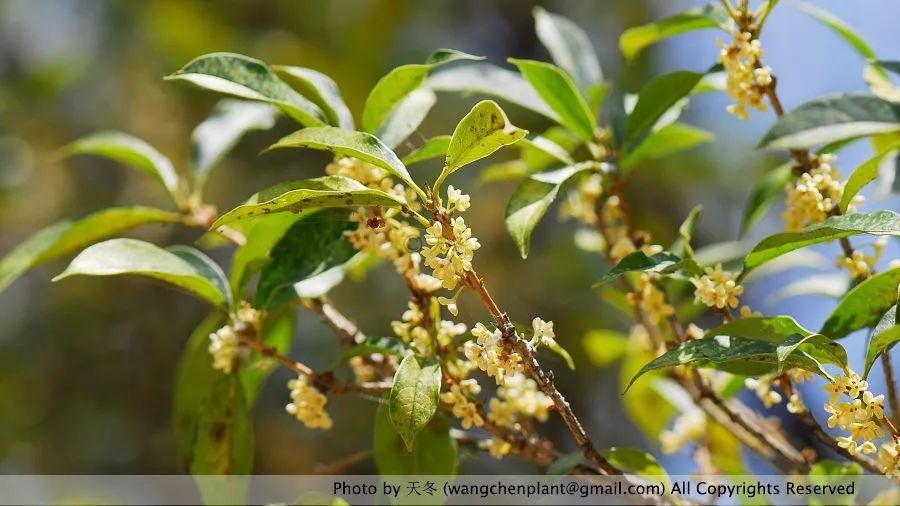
[
  {"x": 747, "y": 79},
  {"x": 308, "y": 404},
  {"x": 449, "y": 253},
  {"x": 650, "y": 299},
  {"x": 860, "y": 416},
  {"x": 814, "y": 195},
  {"x": 224, "y": 344},
  {"x": 463, "y": 407},
  {"x": 518, "y": 399},
  {"x": 717, "y": 288},
  {"x": 413, "y": 328},
  {"x": 488, "y": 353},
  {"x": 861, "y": 265},
  {"x": 582, "y": 203}
]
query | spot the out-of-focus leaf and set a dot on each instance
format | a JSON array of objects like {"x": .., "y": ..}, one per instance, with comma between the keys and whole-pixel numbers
[
  {"x": 879, "y": 345},
  {"x": 880, "y": 83},
  {"x": 532, "y": 198},
  {"x": 129, "y": 150},
  {"x": 482, "y": 131},
  {"x": 636, "y": 461},
  {"x": 833, "y": 284},
  {"x": 261, "y": 234},
  {"x": 862, "y": 175},
  {"x": 383, "y": 345},
  {"x": 244, "y": 77},
  {"x": 596, "y": 96},
  {"x": 569, "y": 46},
  {"x": 326, "y": 191},
  {"x": 434, "y": 451},
  {"x": 359, "y": 145},
  {"x": 666, "y": 141},
  {"x": 845, "y": 31},
  {"x": 406, "y": 117},
  {"x": 414, "y": 396},
  {"x": 132, "y": 257},
  {"x": 221, "y": 131},
  {"x": 401, "y": 81},
  {"x": 864, "y": 305},
  {"x": 639, "y": 261},
  {"x": 321, "y": 89},
  {"x": 434, "y": 147},
  {"x": 836, "y": 227},
  {"x": 657, "y": 97},
  {"x": 485, "y": 79},
  {"x": 312, "y": 245},
  {"x": 566, "y": 464},
  {"x": 559, "y": 92},
  {"x": 686, "y": 233},
  {"x": 67, "y": 236},
  {"x": 533, "y": 143},
  {"x": 636, "y": 39},
  {"x": 831, "y": 119},
  {"x": 604, "y": 347},
  {"x": 643, "y": 394},
  {"x": 764, "y": 194}
]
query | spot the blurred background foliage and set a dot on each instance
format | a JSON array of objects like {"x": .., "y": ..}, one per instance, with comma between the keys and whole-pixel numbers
[{"x": 86, "y": 366}]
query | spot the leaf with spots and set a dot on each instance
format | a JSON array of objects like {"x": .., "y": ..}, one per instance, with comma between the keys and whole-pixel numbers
[
  {"x": 184, "y": 268},
  {"x": 638, "y": 261},
  {"x": 68, "y": 236},
  {"x": 359, "y": 145},
  {"x": 296, "y": 196},
  {"x": 414, "y": 396},
  {"x": 129, "y": 150},
  {"x": 248, "y": 78},
  {"x": 864, "y": 305},
  {"x": 481, "y": 132}
]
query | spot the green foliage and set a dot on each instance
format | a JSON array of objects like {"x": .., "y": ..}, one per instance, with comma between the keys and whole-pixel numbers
[
  {"x": 132, "y": 151},
  {"x": 657, "y": 97},
  {"x": 569, "y": 46},
  {"x": 832, "y": 119},
  {"x": 184, "y": 267},
  {"x": 836, "y": 227},
  {"x": 482, "y": 131},
  {"x": 296, "y": 196},
  {"x": 662, "y": 262},
  {"x": 414, "y": 396},
  {"x": 666, "y": 141},
  {"x": 434, "y": 147},
  {"x": 406, "y": 117},
  {"x": 863, "y": 175},
  {"x": 540, "y": 151},
  {"x": 764, "y": 194},
  {"x": 251, "y": 79},
  {"x": 384, "y": 345},
  {"x": 636, "y": 39},
  {"x": 604, "y": 347},
  {"x": 864, "y": 305},
  {"x": 842, "y": 29},
  {"x": 67, "y": 236},
  {"x": 636, "y": 461},
  {"x": 433, "y": 450},
  {"x": 321, "y": 90},
  {"x": 556, "y": 88},
  {"x": 533, "y": 197}
]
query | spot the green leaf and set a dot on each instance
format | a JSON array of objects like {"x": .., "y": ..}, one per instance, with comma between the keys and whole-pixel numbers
[
  {"x": 359, "y": 145},
  {"x": 666, "y": 141},
  {"x": 129, "y": 256},
  {"x": 789, "y": 335},
  {"x": 569, "y": 46},
  {"x": 129, "y": 150},
  {"x": 321, "y": 90},
  {"x": 864, "y": 305},
  {"x": 434, "y": 451},
  {"x": 481, "y": 132},
  {"x": 639, "y": 261},
  {"x": 863, "y": 175},
  {"x": 434, "y": 147},
  {"x": 414, "y": 396},
  {"x": 401, "y": 81},
  {"x": 68, "y": 236},
  {"x": 383, "y": 345},
  {"x": 764, "y": 194},
  {"x": 604, "y": 347},
  {"x": 833, "y": 284},
  {"x": 686, "y": 232},
  {"x": 835, "y": 227},
  {"x": 296, "y": 196},
  {"x": 831, "y": 119},
  {"x": 880, "y": 344},
  {"x": 532, "y": 198},
  {"x": 484, "y": 79},
  {"x": 213, "y": 426},
  {"x": 841, "y": 28},
  {"x": 565, "y": 464},
  {"x": 635, "y": 461},
  {"x": 556, "y": 88},
  {"x": 406, "y": 117},
  {"x": 880, "y": 83},
  {"x": 312, "y": 245},
  {"x": 538, "y": 151},
  {"x": 643, "y": 394},
  {"x": 220, "y": 132},
  {"x": 636, "y": 39},
  {"x": 244, "y": 77},
  {"x": 261, "y": 234},
  {"x": 657, "y": 97}
]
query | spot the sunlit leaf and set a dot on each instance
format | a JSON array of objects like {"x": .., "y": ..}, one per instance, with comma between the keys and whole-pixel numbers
[
  {"x": 532, "y": 198},
  {"x": 836, "y": 227},
  {"x": 405, "y": 117},
  {"x": 482, "y": 131},
  {"x": 533, "y": 143},
  {"x": 569, "y": 46},
  {"x": 639, "y": 261},
  {"x": 604, "y": 347},
  {"x": 864, "y": 305},
  {"x": 132, "y": 257},
  {"x": 414, "y": 396},
  {"x": 68, "y": 236},
  {"x": 863, "y": 175},
  {"x": 321, "y": 90},
  {"x": 636, "y": 461},
  {"x": 657, "y": 97},
  {"x": 559, "y": 92},
  {"x": 667, "y": 140},
  {"x": 434, "y": 147},
  {"x": 833, "y": 284},
  {"x": 879, "y": 345},
  {"x": 129, "y": 150},
  {"x": 636, "y": 39},
  {"x": 831, "y": 119},
  {"x": 244, "y": 77}
]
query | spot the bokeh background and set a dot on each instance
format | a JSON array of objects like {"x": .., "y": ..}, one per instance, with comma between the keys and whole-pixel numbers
[{"x": 87, "y": 365}]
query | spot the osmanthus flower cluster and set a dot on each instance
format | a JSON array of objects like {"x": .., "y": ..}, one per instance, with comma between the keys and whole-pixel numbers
[{"x": 490, "y": 380}]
